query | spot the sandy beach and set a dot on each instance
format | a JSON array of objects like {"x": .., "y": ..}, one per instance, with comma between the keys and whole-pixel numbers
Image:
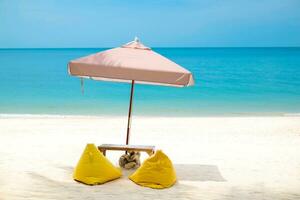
[
  {"x": 214, "y": 85},
  {"x": 214, "y": 157}
]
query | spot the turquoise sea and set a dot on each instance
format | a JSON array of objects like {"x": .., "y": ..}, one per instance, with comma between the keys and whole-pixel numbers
[{"x": 229, "y": 81}]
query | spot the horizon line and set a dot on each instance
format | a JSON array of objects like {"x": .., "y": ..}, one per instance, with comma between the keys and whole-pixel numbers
[{"x": 12, "y": 48}]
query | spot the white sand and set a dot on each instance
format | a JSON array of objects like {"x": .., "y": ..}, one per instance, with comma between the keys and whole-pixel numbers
[{"x": 216, "y": 158}]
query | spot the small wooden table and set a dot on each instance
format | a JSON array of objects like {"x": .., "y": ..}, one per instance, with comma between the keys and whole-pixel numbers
[{"x": 118, "y": 147}]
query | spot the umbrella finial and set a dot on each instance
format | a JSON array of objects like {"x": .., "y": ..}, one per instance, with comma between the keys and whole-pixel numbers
[
  {"x": 136, "y": 39},
  {"x": 136, "y": 44}
]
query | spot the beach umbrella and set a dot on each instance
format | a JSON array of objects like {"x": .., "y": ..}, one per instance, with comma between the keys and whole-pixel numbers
[{"x": 132, "y": 63}]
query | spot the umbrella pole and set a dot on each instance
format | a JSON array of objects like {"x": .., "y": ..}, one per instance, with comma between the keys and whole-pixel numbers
[{"x": 129, "y": 113}]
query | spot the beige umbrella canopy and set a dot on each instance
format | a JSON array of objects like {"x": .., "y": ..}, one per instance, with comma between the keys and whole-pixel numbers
[{"x": 134, "y": 63}]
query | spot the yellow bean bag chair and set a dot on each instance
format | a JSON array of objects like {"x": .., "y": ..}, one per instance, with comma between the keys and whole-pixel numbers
[
  {"x": 94, "y": 168},
  {"x": 156, "y": 172}
]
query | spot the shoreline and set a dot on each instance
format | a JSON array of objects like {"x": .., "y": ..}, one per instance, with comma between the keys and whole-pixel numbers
[{"x": 235, "y": 115}]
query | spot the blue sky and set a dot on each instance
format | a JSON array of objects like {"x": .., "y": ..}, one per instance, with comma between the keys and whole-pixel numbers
[{"x": 165, "y": 23}]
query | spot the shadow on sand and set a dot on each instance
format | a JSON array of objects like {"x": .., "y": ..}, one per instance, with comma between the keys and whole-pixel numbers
[
  {"x": 184, "y": 172},
  {"x": 195, "y": 172}
]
